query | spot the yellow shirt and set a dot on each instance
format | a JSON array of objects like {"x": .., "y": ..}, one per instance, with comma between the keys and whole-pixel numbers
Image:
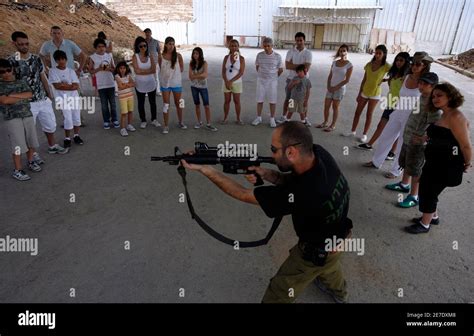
[
  {"x": 394, "y": 90},
  {"x": 373, "y": 79}
]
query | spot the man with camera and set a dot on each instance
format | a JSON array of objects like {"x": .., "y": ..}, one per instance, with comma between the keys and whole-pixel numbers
[{"x": 311, "y": 188}]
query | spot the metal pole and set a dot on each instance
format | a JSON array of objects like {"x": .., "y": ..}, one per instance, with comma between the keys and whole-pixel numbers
[
  {"x": 457, "y": 28},
  {"x": 416, "y": 16},
  {"x": 225, "y": 22}
]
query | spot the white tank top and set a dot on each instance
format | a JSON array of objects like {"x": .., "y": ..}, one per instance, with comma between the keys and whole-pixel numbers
[
  {"x": 170, "y": 78},
  {"x": 232, "y": 70},
  {"x": 144, "y": 83},
  {"x": 405, "y": 95}
]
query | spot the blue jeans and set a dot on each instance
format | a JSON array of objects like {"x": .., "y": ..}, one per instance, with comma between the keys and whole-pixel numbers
[
  {"x": 204, "y": 94},
  {"x": 107, "y": 96}
]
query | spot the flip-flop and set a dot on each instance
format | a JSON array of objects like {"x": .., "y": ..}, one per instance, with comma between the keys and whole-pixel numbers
[
  {"x": 329, "y": 129},
  {"x": 389, "y": 176},
  {"x": 223, "y": 122},
  {"x": 322, "y": 125},
  {"x": 239, "y": 122}
]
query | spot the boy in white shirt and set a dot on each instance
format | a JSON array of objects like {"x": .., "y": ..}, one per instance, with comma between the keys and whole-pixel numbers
[
  {"x": 66, "y": 84},
  {"x": 102, "y": 65}
]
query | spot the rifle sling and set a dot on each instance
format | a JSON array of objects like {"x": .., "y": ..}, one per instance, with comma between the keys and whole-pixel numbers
[{"x": 217, "y": 235}]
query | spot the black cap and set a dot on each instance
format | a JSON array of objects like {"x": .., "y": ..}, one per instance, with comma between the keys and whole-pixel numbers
[{"x": 430, "y": 78}]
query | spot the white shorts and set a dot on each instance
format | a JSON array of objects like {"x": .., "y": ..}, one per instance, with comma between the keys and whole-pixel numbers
[
  {"x": 371, "y": 97},
  {"x": 267, "y": 89},
  {"x": 71, "y": 118},
  {"x": 43, "y": 110}
]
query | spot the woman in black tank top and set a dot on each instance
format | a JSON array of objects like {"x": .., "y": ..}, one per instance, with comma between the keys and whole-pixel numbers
[{"x": 448, "y": 154}]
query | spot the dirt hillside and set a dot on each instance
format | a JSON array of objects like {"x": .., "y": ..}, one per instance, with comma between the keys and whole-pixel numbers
[{"x": 81, "y": 21}]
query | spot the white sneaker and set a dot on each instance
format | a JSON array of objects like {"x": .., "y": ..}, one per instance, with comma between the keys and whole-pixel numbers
[
  {"x": 281, "y": 120},
  {"x": 156, "y": 123},
  {"x": 257, "y": 121},
  {"x": 158, "y": 93},
  {"x": 363, "y": 138},
  {"x": 143, "y": 124},
  {"x": 123, "y": 132},
  {"x": 131, "y": 128},
  {"x": 182, "y": 126},
  {"x": 349, "y": 134},
  {"x": 306, "y": 122},
  {"x": 166, "y": 130},
  {"x": 20, "y": 175},
  {"x": 198, "y": 125},
  {"x": 273, "y": 123}
]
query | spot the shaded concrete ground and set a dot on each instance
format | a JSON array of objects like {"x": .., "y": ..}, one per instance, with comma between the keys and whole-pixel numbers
[{"x": 123, "y": 198}]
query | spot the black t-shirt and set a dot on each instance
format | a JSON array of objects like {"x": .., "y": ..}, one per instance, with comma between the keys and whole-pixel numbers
[{"x": 318, "y": 200}]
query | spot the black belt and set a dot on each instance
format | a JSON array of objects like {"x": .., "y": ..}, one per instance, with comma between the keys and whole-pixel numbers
[{"x": 217, "y": 235}]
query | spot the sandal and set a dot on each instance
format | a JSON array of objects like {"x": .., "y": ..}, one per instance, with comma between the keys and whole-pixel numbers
[
  {"x": 329, "y": 129},
  {"x": 239, "y": 122},
  {"x": 370, "y": 165},
  {"x": 389, "y": 176},
  {"x": 397, "y": 187},
  {"x": 223, "y": 122},
  {"x": 322, "y": 125}
]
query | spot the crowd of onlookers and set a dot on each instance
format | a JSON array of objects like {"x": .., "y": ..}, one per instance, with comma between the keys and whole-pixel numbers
[{"x": 421, "y": 130}]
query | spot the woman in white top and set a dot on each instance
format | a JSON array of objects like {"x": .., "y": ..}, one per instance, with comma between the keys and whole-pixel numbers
[
  {"x": 339, "y": 76},
  {"x": 145, "y": 66},
  {"x": 171, "y": 67},
  {"x": 233, "y": 68}
]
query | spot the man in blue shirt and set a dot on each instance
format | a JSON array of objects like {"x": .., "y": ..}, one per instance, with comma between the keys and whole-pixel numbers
[{"x": 58, "y": 42}]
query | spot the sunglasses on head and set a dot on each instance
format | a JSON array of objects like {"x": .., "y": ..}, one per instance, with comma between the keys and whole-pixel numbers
[
  {"x": 5, "y": 70},
  {"x": 276, "y": 149}
]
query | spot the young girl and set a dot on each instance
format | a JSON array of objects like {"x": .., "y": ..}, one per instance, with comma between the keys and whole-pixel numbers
[
  {"x": 144, "y": 67},
  {"x": 395, "y": 79},
  {"x": 370, "y": 91},
  {"x": 339, "y": 76},
  {"x": 233, "y": 68},
  {"x": 171, "y": 67},
  {"x": 198, "y": 78},
  {"x": 125, "y": 84}
]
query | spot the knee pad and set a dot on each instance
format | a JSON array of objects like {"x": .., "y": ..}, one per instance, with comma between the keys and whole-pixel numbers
[{"x": 166, "y": 107}]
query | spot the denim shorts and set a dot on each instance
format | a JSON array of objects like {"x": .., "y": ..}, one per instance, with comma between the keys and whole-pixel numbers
[
  {"x": 177, "y": 89},
  {"x": 204, "y": 95},
  {"x": 336, "y": 95}
]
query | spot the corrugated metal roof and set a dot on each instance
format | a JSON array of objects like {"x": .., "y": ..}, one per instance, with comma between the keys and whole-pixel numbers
[{"x": 331, "y": 7}]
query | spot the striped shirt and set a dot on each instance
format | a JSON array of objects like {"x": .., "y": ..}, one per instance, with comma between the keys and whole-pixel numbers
[
  {"x": 125, "y": 93},
  {"x": 268, "y": 65}
]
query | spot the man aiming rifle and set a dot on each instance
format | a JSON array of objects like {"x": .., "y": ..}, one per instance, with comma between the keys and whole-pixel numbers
[{"x": 313, "y": 190}]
